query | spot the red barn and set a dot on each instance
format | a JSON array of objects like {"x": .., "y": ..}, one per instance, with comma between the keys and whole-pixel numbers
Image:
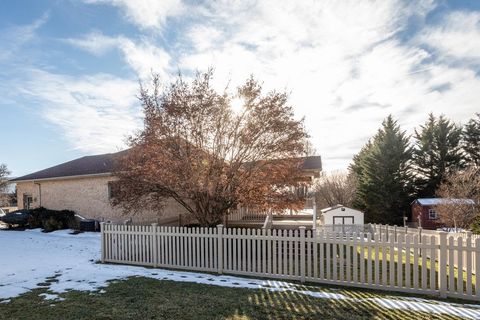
[{"x": 424, "y": 214}]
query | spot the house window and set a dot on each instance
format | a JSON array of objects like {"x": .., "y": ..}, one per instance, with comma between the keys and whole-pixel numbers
[
  {"x": 27, "y": 201},
  {"x": 113, "y": 190},
  {"x": 432, "y": 214}
]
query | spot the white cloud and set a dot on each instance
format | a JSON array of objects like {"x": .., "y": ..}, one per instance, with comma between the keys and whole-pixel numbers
[
  {"x": 457, "y": 37},
  {"x": 339, "y": 59},
  {"x": 13, "y": 38},
  {"x": 95, "y": 113},
  {"x": 348, "y": 64},
  {"x": 143, "y": 57},
  {"x": 147, "y": 14},
  {"x": 96, "y": 42}
]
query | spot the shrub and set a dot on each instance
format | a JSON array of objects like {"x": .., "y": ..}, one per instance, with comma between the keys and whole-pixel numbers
[
  {"x": 475, "y": 226},
  {"x": 52, "y": 224},
  {"x": 47, "y": 219},
  {"x": 51, "y": 220}
]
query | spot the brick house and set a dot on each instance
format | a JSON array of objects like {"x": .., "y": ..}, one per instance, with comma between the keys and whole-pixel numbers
[
  {"x": 424, "y": 213},
  {"x": 84, "y": 185}
]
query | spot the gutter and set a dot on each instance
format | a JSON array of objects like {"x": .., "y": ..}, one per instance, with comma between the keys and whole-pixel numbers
[{"x": 106, "y": 174}]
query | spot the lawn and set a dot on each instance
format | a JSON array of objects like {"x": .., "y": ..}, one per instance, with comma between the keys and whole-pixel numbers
[
  {"x": 57, "y": 276},
  {"x": 145, "y": 298}
]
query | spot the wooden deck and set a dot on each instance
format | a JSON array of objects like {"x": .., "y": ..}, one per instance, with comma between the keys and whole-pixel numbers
[{"x": 279, "y": 222}]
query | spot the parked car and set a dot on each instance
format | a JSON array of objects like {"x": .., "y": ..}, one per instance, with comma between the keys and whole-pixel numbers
[{"x": 19, "y": 217}]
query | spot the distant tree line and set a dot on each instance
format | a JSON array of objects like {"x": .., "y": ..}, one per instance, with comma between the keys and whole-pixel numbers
[{"x": 393, "y": 168}]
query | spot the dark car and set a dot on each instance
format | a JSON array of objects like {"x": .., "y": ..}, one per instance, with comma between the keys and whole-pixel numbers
[{"x": 19, "y": 218}]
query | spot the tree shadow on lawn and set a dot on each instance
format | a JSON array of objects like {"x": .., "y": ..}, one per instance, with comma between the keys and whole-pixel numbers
[{"x": 145, "y": 298}]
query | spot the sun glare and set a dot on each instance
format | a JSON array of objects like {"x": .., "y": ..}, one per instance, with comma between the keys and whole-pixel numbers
[{"x": 237, "y": 105}]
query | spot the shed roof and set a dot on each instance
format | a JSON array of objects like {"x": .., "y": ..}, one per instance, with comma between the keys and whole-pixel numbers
[
  {"x": 336, "y": 207},
  {"x": 439, "y": 201}
]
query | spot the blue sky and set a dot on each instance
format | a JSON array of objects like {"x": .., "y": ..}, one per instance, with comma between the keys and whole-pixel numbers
[{"x": 69, "y": 70}]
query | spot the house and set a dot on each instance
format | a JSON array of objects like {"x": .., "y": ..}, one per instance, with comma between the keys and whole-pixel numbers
[
  {"x": 424, "y": 214},
  {"x": 342, "y": 215},
  {"x": 84, "y": 185}
]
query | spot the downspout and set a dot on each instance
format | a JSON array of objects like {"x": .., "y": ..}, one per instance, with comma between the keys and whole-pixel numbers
[{"x": 39, "y": 193}]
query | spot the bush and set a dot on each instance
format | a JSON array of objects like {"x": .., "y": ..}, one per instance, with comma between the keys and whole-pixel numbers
[
  {"x": 476, "y": 225},
  {"x": 51, "y": 220}
]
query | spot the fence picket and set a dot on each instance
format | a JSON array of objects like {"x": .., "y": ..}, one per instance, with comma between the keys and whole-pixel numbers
[
  {"x": 377, "y": 258},
  {"x": 399, "y": 243},
  {"x": 433, "y": 253},
  {"x": 408, "y": 280},
  {"x": 355, "y": 258},
  {"x": 391, "y": 241},
  {"x": 468, "y": 250},
  {"x": 460, "y": 265},
  {"x": 369, "y": 259}
]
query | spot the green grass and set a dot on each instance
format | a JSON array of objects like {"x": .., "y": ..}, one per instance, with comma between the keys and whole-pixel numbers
[
  {"x": 144, "y": 298},
  {"x": 386, "y": 254}
]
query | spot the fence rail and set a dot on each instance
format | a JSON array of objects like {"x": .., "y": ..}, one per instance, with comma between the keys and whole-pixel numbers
[{"x": 406, "y": 263}]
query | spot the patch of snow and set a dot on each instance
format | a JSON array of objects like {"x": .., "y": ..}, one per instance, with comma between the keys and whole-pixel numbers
[
  {"x": 31, "y": 258},
  {"x": 5, "y": 301},
  {"x": 49, "y": 296}
]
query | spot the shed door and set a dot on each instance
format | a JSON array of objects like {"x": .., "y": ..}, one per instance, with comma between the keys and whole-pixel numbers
[{"x": 343, "y": 220}]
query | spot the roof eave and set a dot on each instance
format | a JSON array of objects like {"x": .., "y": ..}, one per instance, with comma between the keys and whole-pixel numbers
[{"x": 94, "y": 175}]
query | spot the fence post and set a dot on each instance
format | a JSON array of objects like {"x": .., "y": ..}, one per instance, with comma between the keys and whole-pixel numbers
[
  {"x": 220, "y": 248},
  {"x": 154, "y": 245},
  {"x": 395, "y": 233},
  {"x": 442, "y": 263},
  {"x": 302, "y": 253},
  {"x": 102, "y": 232},
  {"x": 420, "y": 251}
]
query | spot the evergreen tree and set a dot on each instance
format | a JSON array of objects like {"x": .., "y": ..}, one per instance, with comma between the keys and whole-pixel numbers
[
  {"x": 437, "y": 153},
  {"x": 357, "y": 170},
  {"x": 382, "y": 169},
  {"x": 471, "y": 141}
]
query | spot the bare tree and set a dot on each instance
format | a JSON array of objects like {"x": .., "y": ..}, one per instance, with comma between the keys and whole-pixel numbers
[
  {"x": 456, "y": 211},
  {"x": 4, "y": 173},
  {"x": 335, "y": 188},
  {"x": 197, "y": 150}
]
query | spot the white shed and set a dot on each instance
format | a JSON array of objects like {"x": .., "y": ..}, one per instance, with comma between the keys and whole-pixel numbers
[{"x": 340, "y": 214}]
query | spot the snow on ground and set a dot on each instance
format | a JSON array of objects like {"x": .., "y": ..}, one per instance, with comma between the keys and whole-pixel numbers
[{"x": 62, "y": 261}]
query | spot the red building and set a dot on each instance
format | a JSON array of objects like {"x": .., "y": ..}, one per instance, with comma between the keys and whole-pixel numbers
[{"x": 424, "y": 214}]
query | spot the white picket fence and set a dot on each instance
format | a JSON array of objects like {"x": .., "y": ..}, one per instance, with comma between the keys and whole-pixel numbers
[
  {"x": 409, "y": 263},
  {"x": 382, "y": 228}
]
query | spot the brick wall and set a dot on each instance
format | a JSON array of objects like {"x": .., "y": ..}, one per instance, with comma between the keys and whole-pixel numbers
[{"x": 88, "y": 197}]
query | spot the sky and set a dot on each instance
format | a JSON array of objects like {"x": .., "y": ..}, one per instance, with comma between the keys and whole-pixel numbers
[{"x": 70, "y": 70}]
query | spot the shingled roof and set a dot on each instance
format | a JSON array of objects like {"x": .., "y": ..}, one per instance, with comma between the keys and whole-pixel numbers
[
  {"x": 89, "y": 165},
  {"x": 312, "y": 163},
  {"x": 104, "y": 164}
]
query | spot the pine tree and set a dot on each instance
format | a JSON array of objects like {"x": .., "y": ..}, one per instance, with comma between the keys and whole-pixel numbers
[
  {"x": 471, "y": 141},
  {"x": 382, "y": 169},
  {"x": 437, "y": 152}
]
